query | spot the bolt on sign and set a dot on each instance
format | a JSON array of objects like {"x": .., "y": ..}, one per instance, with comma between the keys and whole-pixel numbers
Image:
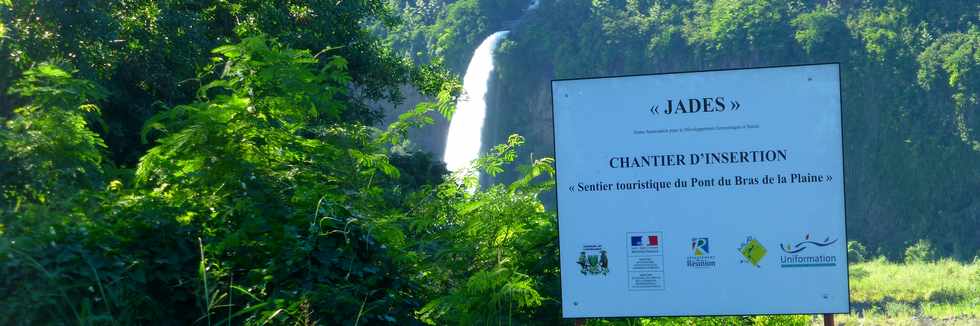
[{"x": 701, "y": 193}]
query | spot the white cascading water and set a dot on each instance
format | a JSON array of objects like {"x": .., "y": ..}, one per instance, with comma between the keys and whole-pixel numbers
[
  {"x": 465, "y": 138},
  {"x": 464, "y": 141}
]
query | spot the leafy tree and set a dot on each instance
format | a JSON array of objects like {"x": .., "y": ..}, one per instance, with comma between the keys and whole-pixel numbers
[
  {"x": 447, "y": 32},
  {"x": 149, "y": 54},
  {"x": 488, "y": 253},
  {"x": 260, "y": 202},
  {"x": 47, "y": 150},
  {"x": 954, "y": 58},
  {"x": 281, "y": 188},
  {"x": 817, "y": 32},
  {"x": 48, "y": 155},
  {"x": 750, "y": 28}
]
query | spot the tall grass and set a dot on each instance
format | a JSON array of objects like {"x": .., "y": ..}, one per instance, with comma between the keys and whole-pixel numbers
[
  {"x": 944, "y": 292},
  {"x": 944, "y": 281}
]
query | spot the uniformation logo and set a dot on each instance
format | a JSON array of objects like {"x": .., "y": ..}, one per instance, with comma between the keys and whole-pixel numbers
[
  {"x": 752, "y": 251},
  {"x": 700, "y": 254},
  {"x": 794, "y": 259},
  {"x": 593, "y": 260},
  {"x": 790, "y": 248}
]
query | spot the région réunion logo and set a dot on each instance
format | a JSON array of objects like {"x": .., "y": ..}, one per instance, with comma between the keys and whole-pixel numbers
[{"x": 700, "y": 254}]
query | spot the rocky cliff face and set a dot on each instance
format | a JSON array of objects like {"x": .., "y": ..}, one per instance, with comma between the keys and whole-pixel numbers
[
  {"x": 432, "y": 138},
  {"x": 525, "y": 111},
  {"x": 521, "y": 107}
]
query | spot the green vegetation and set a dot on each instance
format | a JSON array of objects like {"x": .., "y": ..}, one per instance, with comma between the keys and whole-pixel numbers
[
  {"x": 943, "y": 291},
  {"x": 222, "y": 162},
  {"x": 919, "y": 252},
  {"x": 448, "y": 31},
  {"x": 856, "y": 252}
]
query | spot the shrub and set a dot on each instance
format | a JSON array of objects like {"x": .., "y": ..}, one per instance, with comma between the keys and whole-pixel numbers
[
  {"x": 921, "y": 251},
  {"x": 856, "y": 252}
]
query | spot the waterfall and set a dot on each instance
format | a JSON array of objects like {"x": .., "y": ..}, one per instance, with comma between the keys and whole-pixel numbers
[{"x": 464, "y": 140}]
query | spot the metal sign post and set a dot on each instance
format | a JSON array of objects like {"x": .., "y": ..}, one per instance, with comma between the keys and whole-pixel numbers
[{"x": 828, "y": 319}]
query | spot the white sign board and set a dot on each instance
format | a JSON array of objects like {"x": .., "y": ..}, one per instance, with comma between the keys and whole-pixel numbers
[{"x": 702, "y": 193}]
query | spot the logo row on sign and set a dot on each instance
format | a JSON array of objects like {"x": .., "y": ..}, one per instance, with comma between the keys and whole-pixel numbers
[
  {"x": 594, "y": 260},
  {"x": 753, "y": 252}
]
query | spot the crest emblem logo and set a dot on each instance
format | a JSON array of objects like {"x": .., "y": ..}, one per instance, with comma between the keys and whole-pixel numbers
[{"x": 593, "y": 260}]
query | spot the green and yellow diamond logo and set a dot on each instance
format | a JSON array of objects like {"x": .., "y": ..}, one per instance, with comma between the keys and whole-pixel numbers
[{"x": 753, "y": 251}]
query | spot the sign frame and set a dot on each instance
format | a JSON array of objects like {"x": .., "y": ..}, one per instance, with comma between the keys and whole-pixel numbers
[{"x": 843, "y": 162}]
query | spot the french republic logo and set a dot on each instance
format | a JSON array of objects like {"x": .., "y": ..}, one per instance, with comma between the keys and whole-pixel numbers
[
  {"x": 650, "y": 240},
  {"x": 645, "y": 243},
  {"x": 645, "y": 261},
  {"x": 795, "y": 258},
  {"x": 700, "y": 254},
  {"x": 752, "y": 251},
  {"x": 593, "y": 260}
]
